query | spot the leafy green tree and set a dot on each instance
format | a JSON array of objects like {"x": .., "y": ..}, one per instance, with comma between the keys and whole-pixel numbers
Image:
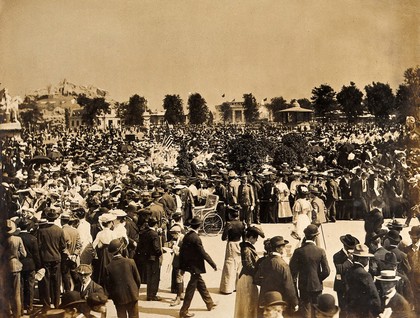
[
  {"x": 305, "y": 103},
  {"x": 174, "y": 111},
  {"x": 350, "y": 99},
  {"x": 226, "y": 112},
  {"x": 30, "y": 114},
  {"x": 379, "y": 100},
  {"x": 93, "y": 108},
  {"x": 210, "y": 119},
  {"x": 298, "y": 144},
  {"x": 198, "y": 110},
  {"x": 284, "y": 154},
  {"x": 251, "y": 111},
  {"x": 246, "y": 153},
  {"x": 67, "y": 117},
  {"x": 276, "y": 105},
  {"x": 132, "y": 112},
  {"x": 407, "y": 100},
  {"x": 183, "y": 161},
  {"x": 323, "y": 100}
]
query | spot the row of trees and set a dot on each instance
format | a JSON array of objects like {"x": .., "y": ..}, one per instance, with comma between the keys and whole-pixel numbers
[{"x": 378, "y": 100}]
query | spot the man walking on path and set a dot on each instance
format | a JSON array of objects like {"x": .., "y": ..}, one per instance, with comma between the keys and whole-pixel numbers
[
  {"x": 309, "y": 268},
  {"x": 192, "y": 256}
]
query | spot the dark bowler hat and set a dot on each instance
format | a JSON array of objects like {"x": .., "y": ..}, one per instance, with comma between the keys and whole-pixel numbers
[
  {"x": 96, "y": 299},
  {"x": 156, "y": 194},
  {"x": 70, "y": 298},
  {"x": 391, "y": 258},
  {"x": 116, "y": 245},
  {"x": 311, "y": 230},
  {"x": 51, "y": 214},
  {"x": 273, "y": 298},
  {"x": 394, "y": 236},
  {"x": 278, "y": 241},
  {"x": 326, "y": 305},
  {"x": 256, "y": 231},
  {"x": 415, "y": 231},
  {"x": 195, "y": 221},
  {"x": 349, "y": 240}
]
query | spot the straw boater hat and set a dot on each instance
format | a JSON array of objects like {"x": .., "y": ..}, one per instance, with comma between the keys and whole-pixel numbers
[
  {"x": 388, "y": 276},
  {"x": 107, "y": 217}
]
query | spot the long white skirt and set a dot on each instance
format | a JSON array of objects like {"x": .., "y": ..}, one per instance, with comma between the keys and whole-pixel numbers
[
  {"x": 246, "y": 302},
  {"x": 231, "y": 268}
]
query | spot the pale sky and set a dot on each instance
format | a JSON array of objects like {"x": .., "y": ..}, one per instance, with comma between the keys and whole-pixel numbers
[{"x": 266, "y": 47}]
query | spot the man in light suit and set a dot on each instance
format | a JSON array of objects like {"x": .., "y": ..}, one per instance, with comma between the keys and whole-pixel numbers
[
  {"x": 309, "y": 268},
  {"x": 246, "y": 200},
  {"x": 191, "y": 259}
]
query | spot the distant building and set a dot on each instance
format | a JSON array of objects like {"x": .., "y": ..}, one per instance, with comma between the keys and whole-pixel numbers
[
  {"x": 237, "y": 115},
  {"x": 105, "y": 121},
  {"x": 296, "y": 115}
]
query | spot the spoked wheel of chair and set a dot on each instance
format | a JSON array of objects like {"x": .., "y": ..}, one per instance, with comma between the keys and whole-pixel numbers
[{"x": 212, "y": 224}]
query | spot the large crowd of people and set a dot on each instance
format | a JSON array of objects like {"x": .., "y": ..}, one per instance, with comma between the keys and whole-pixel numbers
[{"x": 88, "y": 215}]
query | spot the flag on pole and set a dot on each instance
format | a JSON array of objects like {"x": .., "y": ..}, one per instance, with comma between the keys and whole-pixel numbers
[{"x": 168, "y": 139}]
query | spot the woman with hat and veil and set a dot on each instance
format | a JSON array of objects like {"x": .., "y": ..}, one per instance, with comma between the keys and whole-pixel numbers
[{"x": 246, "y": 302}]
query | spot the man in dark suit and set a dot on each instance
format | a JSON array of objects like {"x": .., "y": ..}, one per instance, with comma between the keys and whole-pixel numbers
[
  {"x": 52, "y": 245},
  {"x": 273, "y": 274},
  {"x": 361, "y": 194},
  {"x": 392, "y": 240},
  {"x": 390, "y": 297},
  {"x": 122, "y": 281},
  {"x": 191, "y": 258},
  {"x": 413, "y": 255},
  {"x": 342, "y": 262},
  {"x": 132, "y": 229},
  {"x": 309, "y": 268},
  {"x": 88, "y": 286},
  {"x": 346, "y": 195},
  {"x": 30, "y": 263},
  {"x": 152, "y": 249},
  {"x": 373, "y": 221},
  {"x": 362, "y": 298}
]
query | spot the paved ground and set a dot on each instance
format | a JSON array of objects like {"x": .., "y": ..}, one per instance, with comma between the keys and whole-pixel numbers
[{"x": 216, "y": 248}]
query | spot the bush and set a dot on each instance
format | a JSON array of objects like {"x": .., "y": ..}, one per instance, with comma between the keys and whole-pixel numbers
[
  {"x": 299, "y": 145},
  {"x": 245, "y": 153},
  {"x": 283, "y": 154}
]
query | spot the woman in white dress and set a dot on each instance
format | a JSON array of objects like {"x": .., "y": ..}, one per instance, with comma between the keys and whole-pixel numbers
[
  {"x": 282, "y": 191},
  {"x": 302, "y": 212}
]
